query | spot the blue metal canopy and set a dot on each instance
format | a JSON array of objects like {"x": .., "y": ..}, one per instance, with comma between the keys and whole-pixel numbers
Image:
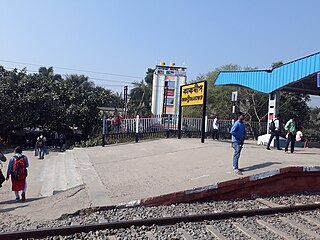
[{"x": 298, "y": 75}]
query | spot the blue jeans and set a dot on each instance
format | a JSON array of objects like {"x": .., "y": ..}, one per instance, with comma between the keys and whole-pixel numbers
[
  {"x": 237, "y": 150},
  {"x": 41, "y": 153}
]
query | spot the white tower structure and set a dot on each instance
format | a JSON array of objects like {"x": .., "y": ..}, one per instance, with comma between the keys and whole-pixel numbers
[{"x": 167, "y": 80}]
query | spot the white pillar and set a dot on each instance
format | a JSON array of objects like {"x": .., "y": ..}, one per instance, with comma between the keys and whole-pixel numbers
[
  {"x": 206, "y": 124},
  {"x": 137, "y": 124},
  {"x": 273, "y": 109}
]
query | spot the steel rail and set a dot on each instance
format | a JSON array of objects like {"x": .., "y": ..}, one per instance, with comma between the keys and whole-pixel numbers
[{"x": 69, "y": 230}]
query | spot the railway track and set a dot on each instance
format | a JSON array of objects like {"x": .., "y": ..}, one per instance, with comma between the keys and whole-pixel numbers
[{"x": 268, "y": 221}]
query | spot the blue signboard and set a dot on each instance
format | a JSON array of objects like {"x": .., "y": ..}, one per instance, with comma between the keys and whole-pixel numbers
[{"x": 318, "y": 79}]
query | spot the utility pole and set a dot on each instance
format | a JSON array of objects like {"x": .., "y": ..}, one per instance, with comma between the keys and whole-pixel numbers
[
  {"x": 165, "y": 97},
  {"x": 125, "y": 90},
  {"x": 234, "y": 98}
]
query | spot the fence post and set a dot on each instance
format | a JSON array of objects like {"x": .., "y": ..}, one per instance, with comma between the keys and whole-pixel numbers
[
  {"x": 168, "y": 131},
  {"x": 206, "y": 127},
  {"x": 137, "y": 128},
  {"x": 103, "y": 130}
]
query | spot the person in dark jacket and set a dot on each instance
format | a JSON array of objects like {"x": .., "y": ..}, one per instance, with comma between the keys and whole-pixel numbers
[
  {"x": 18, "y": 185},
  {"x": 275, "y": 132},
  {"x": 2, "y": 159},
  {"x": 238, "y": 132}
]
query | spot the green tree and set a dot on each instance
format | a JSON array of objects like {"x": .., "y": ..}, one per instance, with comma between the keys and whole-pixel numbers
[
  {"x": 48, "y": 101},
  {"x": 276, "y": 64},
  {"x": 9, "y": 100},
  {"x": 218, "y": 97},
  {"x": 80, "y": 101},
  {"x": 253, "y": 103},
  {"x": 149, "y": 77},
  {"x": 293, "y": 103},
  {"x": 312, "y": 129},
  {"x": 140, "y": 95},
  {"x": 140, "y": 99}
]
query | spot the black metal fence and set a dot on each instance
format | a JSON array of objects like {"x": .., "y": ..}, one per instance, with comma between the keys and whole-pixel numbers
[{"x": 136, "y": 129}]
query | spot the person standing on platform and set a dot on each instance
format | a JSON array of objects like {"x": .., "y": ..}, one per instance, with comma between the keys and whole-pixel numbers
[
  {"x": 215, "y": 131},
  {"x": 275, "y": 130},
  {"x": 62, "y": 142},
  {"x": 55, "y": 139},
  {"x": 2, "y": 159},
  {"x": 300, "y": 137},
  {"x": 41, "y": 145},
  {"x": 238, "y": 132},
  {"x": 17, "y": 169},
  {"x": 290, "y": 127}
]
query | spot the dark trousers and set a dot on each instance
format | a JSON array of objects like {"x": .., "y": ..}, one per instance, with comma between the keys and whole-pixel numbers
[
  {"x": 291, "y": 138},
  {"x": 2, "y": 178},
  {"x": 55, "y": 143},
  {"x": 215, "y": 134},
  {"x": 275, "y": 134}
]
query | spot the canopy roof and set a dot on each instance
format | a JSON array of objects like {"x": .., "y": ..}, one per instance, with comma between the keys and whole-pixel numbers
[{"x": 298, "y": 75}]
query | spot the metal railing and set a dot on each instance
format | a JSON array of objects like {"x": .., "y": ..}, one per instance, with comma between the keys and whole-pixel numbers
[{"x": 139, "y": 128}]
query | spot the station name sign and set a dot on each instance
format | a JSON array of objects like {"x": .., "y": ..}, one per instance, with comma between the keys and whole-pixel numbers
[{"x": 192, "y": 94}]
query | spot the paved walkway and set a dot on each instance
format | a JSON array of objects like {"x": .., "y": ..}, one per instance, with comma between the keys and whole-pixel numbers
[
  {"x": 136, "y": 171},
  {"x": 115, "y": 174}
]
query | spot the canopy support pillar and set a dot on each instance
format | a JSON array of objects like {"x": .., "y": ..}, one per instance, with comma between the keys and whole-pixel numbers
[{"x": 273, "y": 109}]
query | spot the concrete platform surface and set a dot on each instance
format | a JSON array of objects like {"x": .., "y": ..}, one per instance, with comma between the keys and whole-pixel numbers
[
  {"x": 136, "y": 171},
  {"x": 122, "y": 173}
]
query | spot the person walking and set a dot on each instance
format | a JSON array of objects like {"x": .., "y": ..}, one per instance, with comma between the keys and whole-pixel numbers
[
  {"x": 238, "y": 132},
  {"x": 215, "y": 131},
  {"x": 290, "y": 127},
  {"x": 41, "y": 146},
  {"x": 275, "y": 130},
  {"x": 62, "y": 142},
  {"x": 17, "y": 169},
  {"x": 55, "y": 139},
  {"x": 2, "y": 159}
]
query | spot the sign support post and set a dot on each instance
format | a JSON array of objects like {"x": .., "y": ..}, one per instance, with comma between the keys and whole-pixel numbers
[
  {"x": 194, "y": 94},
  {"x": 179, "y": 116},
  {"x": 104, "y": 127},
  {"x": 204, "y": 108}
]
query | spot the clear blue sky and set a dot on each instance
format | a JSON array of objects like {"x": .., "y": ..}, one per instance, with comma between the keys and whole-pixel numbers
[{"x": 125, "y": 37}]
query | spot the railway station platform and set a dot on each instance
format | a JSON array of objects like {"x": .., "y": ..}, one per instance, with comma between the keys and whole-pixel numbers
[{"x": 147, "y": 172}]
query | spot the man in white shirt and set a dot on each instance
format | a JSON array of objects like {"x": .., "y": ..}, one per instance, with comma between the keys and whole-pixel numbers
[
  {"x": 215, "y": 131},
  {"x": 300, "y": 137},
  {"x": 275, "y": 132}
]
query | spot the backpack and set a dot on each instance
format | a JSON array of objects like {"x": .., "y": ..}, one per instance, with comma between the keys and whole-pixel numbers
[
  {"x": 19, "y": 170},
  {"x": 272, "y": 126},
  {"x": 40, "y": 143}
]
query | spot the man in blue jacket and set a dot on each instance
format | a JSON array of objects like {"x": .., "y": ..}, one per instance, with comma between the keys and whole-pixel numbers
[{"x": 238, "y": 132}]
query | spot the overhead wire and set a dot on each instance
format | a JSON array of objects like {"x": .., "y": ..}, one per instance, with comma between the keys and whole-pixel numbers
[
  {"x": 91, "y": 78},
  {"x": 97, "y": 79},
  {"x": 73, "y": 69}
]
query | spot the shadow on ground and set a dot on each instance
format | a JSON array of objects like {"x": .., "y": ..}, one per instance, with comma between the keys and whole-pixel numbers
[
  {"x": 258, "y": 166},
  {"x": 13, "y": 201}
]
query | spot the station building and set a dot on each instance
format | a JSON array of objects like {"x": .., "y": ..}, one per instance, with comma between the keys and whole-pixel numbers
[{"x": 167, "y": 80}]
